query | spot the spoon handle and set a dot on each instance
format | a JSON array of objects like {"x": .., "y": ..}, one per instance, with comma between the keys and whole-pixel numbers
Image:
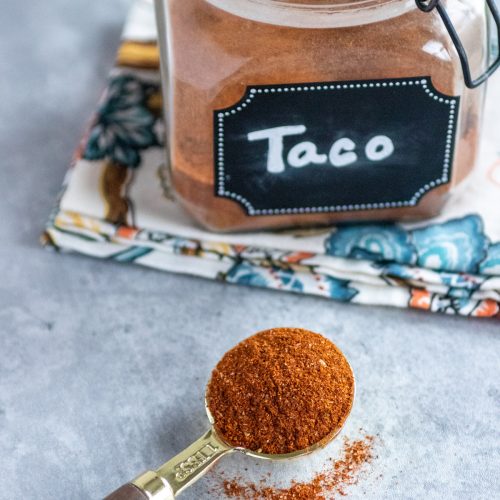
[{"x": 178, "y": 473}]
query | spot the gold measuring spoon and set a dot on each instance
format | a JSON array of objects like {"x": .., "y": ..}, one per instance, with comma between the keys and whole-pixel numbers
[{"x": 168, "y": 481}]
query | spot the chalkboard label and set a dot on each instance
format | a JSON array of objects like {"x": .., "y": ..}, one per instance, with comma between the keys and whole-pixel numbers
[{"x": 334, "y": 147}]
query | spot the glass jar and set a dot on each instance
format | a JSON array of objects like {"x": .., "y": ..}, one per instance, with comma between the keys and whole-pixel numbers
[{"x": 289, "y": 113}]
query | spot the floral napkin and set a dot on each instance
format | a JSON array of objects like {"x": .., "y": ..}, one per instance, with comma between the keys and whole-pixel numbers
[{"x": 117, "y": 204}]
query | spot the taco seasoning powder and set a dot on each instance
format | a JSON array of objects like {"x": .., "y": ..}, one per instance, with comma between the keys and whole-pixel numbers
[
  {"x": 218, "y": 49},
  {"x": 332, "y": 482},
  {"x": 280, "y": 391}
]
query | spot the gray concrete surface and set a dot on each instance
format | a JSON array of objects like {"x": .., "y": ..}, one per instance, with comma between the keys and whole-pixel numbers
[{"x": 103, "y": 367}]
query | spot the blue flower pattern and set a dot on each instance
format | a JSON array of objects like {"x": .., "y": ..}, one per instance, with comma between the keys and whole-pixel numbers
[
  {"x": 124, "y": 126},
  {"x": 491, "y": 265},
  {"x": 244, "y": 273},
  {"x": 379, "y": 243},
  {"x": 400, "y": 271},
  {"x": 458, "y": 246},
  {"x": 340, "y": 289},
  {"x": 289, "y": 280}
]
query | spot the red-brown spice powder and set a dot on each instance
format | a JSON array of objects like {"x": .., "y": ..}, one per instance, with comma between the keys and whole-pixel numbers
[
  {"x": 332, "y": 482},
  {"x": 216, "y": 55},
  {"x": 280, "y": 391}
]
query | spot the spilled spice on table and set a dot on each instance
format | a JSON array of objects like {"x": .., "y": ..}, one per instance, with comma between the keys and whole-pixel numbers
[{"x": 330, "y": 483}]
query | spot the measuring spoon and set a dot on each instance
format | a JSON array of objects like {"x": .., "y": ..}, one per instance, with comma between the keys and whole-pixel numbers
[{"x": 173, "y": 477}]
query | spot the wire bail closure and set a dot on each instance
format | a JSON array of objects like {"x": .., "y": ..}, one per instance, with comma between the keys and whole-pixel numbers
[{"x": 429, "y": 5}]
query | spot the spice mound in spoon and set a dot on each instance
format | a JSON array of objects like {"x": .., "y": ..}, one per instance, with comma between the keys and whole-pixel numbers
[{"x": 280, "y": 391}]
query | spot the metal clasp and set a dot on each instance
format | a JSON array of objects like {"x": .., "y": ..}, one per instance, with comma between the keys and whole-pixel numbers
[{"x": 429, "y": 5}]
